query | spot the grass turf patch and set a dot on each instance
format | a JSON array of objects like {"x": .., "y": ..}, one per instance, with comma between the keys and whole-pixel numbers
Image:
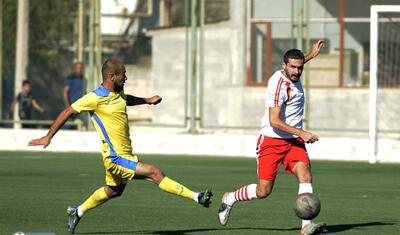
[{"x": 37, "y": 187}]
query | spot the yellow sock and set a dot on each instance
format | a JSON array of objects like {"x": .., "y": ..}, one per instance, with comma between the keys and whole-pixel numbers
[
  {"x": 96, "y": 199},
  {"x": 174, "y": 187}
]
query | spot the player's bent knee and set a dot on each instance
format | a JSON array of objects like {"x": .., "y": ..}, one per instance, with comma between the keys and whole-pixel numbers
[
  {"x": 114, "y": 191},
  {"x": 156, "y": 174},
  {"x": 263, "y": 192},
  {"x": 116, "y": 194},
  {"x": 155, "y": 171}
]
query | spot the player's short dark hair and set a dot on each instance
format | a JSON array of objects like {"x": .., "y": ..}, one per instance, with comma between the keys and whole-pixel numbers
[
  {"x": 25, "y": 82},
  {"x": 293, "y": 54},
  {"x": 110, "y": 66}
]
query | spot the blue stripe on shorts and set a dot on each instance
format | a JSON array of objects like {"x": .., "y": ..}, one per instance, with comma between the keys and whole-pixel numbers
[{"x": 124, "y": 162}]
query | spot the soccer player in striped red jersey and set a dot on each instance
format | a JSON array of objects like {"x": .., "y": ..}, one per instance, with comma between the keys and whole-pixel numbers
[{"x": 282, "y": 139}]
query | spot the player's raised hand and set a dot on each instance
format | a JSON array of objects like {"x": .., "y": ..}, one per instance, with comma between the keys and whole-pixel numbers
[
  {"x": 44, "y": 141},
  {"x": 308, "y": 137},
  {"x": 154, "y": 100},
  {"x": 317, "y": 48}
]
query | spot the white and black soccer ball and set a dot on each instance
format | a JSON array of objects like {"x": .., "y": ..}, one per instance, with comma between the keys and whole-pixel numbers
[
  {"x": 19, "y": 233},
  {"x": 307, "y": 206}
]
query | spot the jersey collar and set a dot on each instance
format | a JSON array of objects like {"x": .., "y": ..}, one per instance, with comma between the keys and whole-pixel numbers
[{"x": 102, "y": 91}]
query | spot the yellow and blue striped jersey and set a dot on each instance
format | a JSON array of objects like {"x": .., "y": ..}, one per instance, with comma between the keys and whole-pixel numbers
[{"x": 108, "y": 114}]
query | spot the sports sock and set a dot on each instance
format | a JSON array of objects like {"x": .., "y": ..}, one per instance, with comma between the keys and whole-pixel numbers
[
  {"x": 176, "y": 188},
  {"x": 96, "y": 199},
  {"x": 245, "y": 193},
  {"x": 305, "y": 188}
]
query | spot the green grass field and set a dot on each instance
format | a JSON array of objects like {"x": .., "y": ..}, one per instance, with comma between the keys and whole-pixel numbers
[{"x": 36, "y": 188}]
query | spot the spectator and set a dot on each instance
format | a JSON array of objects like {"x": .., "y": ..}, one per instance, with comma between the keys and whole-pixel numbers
[
  {"x": 74, "y": 85},
  {"x": 74, "y": 88},
  {"x": 25, "y": 103}
]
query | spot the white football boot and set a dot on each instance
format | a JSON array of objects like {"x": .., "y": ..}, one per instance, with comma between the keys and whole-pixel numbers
[
  {"x": 313, "y": 228},
  {"x": 224, "y": 211}
]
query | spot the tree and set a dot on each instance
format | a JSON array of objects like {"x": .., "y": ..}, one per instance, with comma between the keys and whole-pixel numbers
[{"x": 51, "y": 35}]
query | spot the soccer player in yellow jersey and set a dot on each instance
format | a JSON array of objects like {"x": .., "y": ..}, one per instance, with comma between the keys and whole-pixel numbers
[{"x": 107, "y": 108}]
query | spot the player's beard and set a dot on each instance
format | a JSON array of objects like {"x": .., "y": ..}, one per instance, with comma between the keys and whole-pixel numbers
[
  {"x": 119, "y": 87},
  {"x": 295, "y": 78},
  {"x": 292, "y": 77}
]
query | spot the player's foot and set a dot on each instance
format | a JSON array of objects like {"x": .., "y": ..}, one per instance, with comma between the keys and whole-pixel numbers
[
  {"x": 313, "y": 228},
  {"x": 73, "y": 218},
  {"x": 224, "y": 211},
  {"x": 204, "y": 198}
]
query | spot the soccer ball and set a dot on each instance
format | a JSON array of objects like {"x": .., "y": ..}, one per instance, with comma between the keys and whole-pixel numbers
[
  {"x": 306, "y": 206},
  {"x": 19, "y": 233}
]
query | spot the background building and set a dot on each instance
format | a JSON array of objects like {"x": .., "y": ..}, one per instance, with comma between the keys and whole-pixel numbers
[{"x": 210, "y": 60}]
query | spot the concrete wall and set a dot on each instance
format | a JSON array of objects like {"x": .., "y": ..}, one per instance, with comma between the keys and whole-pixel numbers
[
  {"x": 224, "y": 68},
  {"x": 168, "y": 72},
  {"x": 229, "y": 102},
  {"x": 347, "y": 109},
  {"x": 223, "y": 77},
  {"x": 140, "y": 84},
  {"x": 154, "y": 141}
]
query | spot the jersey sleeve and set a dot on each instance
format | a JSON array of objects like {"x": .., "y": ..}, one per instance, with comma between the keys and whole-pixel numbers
[
  {"x": 87, "y": 102},
  {"x": 276, "y": 92}
]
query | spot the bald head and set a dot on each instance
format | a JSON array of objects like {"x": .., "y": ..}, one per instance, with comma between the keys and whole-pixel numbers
[
  {"x": 111, "y": 66},
  {"x": 114, "y": 75}
]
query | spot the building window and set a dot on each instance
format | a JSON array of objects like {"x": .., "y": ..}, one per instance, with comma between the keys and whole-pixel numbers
[{"x": 259, "y": 68}]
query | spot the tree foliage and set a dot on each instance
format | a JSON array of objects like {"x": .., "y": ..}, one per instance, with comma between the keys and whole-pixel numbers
[{"x": 51, "y": 37}]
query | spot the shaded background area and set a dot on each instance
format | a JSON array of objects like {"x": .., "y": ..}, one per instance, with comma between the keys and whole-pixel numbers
[{"x": 51, "y": 36}]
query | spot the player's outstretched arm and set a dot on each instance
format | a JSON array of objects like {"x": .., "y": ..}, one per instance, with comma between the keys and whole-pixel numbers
[
  {"x": 277, "y": 123},
  {"x": 133, "y": 100},
  {"x": 57, "y": 124},
  {"x": 315, "y": 50}
]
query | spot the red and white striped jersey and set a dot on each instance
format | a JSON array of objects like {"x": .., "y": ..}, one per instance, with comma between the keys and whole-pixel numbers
[{"x": 282, "y": 92}]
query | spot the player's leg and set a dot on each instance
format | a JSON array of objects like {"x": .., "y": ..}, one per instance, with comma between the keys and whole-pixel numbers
[
  {"x": 245, "y": 193},
  {"x": 303, "y": 174},
  {"x": 155, "y": 175},
  {"x": 268, "y": 162},
  {"x": 270, "y": 154},
  {"x": 298, "y": 163},
  {"x": 249, "y": 192},
  {"x": 98, "y": 197},
  {"x": 118, "y": 172}
]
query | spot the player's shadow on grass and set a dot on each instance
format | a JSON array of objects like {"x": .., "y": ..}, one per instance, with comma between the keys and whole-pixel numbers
[
  {"x": 191, "y": 231},
  {"x": 331, "y": 229},
  {"x": 343, "y": 227}
]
